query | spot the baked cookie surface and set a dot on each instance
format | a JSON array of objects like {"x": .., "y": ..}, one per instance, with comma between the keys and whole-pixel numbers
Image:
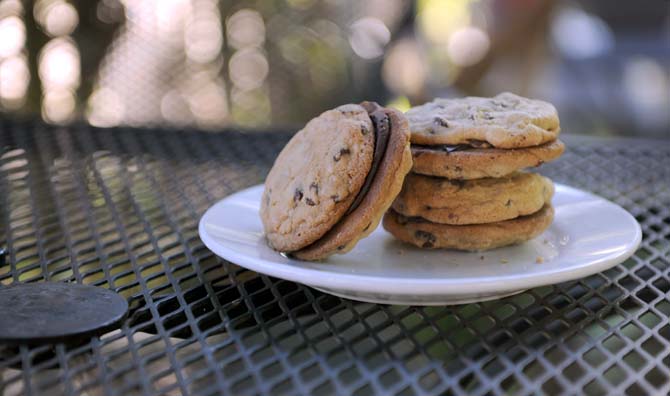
[
  {"x": 316, "y": 177},
  {"x": 464, "y": 162},
  {"x": 385, "y": 185},
  {"x": 504, "y": 121},
  {"x": 474, "y": 237},
  {"x": 476, "y": 201}
]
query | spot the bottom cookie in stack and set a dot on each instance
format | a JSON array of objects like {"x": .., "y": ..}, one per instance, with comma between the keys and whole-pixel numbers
[
  {"x": 479, "y": 214},
  {"x": 474, "y": 237}
]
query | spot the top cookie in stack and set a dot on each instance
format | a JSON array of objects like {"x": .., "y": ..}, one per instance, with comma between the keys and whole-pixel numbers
[
  {"x": 467, "y": 190},
  {"x": 472, "y": 138}
]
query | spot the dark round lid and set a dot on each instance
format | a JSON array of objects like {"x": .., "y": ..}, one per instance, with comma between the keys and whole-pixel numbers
[{"x": 53, "y": 312}]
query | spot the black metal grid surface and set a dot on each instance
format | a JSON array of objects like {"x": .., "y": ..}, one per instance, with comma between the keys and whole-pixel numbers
[{"x": 119, "y": 208}]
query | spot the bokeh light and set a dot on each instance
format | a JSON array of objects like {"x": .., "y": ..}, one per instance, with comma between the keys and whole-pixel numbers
[
  {"x": 368, "y": 37},
  {"x": 59, "y": 64},
  {"x": 245, "y": 28},
  {"x": 14, "y": 79},
  {"x": 56, "y": 17},
  {"x": 580, "y": 35},
  {"x": 248, "y": 69},
  {"x": 175, "y": 108},
  {"x": 170, "y": 17},
  {"x": 209, "y": 105},
  {"x": 251, "y": 108},
  {"x": 438, "y": 19},
  {"x": 203, "y": 37},
  {"x": 404, "y": 71},
  {"x": 646, "y": 86},
  {"x": 109, "y": 11},
  {"x": 14, "y": 71},
  {"x": 105, "y": 108},
  {"x": 467, "y": 46},
  {"x": 10, "y": 7},
  {"x": 12, "y": 36},
  {"x": 58, "y": 106}
]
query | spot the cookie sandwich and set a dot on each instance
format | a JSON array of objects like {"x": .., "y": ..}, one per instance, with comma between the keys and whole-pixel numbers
[
  {"x": 332, "y": 182},
  {"x": 469, "y": 188}
]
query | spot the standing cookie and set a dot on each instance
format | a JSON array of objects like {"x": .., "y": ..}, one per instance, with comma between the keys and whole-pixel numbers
[{"x": 332, "y": 182}]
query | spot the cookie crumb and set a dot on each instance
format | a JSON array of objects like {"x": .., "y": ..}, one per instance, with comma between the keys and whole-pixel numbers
[
  {"x": 504, "y": 261},
  {"x": 481, "y": 257},
  {"x": 539, "y": 259}
]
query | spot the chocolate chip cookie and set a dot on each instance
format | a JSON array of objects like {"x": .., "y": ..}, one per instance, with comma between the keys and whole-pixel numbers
[
  {"x": 332, "y": 182},
  {"x": 425, "y": 234},
  {"x": 476, "y": 201},
  {"x": 504, "y": 121},
  {"x": 464, "y": 162}
]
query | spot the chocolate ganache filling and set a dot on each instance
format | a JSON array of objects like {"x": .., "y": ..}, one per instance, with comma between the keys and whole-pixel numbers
[
  {"x": 450, "y": 148},
  {"x": 381, "y": 125}
]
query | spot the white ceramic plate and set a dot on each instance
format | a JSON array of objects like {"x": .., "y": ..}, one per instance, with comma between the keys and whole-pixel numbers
[{"x": 589, "y": 234}]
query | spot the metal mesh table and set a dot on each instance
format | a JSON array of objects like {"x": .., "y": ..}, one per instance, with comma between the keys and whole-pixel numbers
[{"x": 119, "y": 208}]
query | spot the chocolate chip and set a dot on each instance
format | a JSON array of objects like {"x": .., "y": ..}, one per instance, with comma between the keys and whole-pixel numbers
[
  {"x": 438, "y": 121},
  {"x": 457, "y": 183},
  {"x": 315, "y": 187},
  {"x": 310, "y": 202},
  {"x": 297, "y": 195},
  {"x": 472, "y": 117},
  {"x": 428, "y": 207},
  {"x": 364, "y": 130},
  {"x": 487, "y": 116},
  {"x": 508, "y": 203},
  {"x": 335, "y": 198},
  {"x": 427, "y": 238},
  {"x": 458, "y": 169},
  {"x": 343, "y": 151},
  {"x": 341, "y": 247},
  {"x": 441, "y": 122},
  {"x": 366, "y": 227}
]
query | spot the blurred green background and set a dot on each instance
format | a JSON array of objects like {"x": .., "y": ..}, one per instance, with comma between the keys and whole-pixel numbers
[{"x": 276, "y": 63}]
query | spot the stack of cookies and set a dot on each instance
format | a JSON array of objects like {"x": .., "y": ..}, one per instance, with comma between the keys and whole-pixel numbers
[{"x": 467, "y": 189}]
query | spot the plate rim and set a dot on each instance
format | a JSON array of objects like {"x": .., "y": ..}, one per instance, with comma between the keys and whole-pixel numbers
[{"x": 424, "y": 286}]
